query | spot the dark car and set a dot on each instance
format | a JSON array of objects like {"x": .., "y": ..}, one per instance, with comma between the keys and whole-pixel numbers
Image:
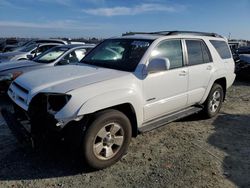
[{"x": 244, "y": 50}]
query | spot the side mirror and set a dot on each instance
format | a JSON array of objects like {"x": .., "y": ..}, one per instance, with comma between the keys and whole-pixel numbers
[
  {"x": 158, "y": 64},
  {"x": 29, "y": 56}
]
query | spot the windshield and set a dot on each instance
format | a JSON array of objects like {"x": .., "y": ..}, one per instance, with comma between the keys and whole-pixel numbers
[
  {"x": 51, "y": 55},
  {"x": 121, "y": 54},
  {"x": 27, "y": 48}
]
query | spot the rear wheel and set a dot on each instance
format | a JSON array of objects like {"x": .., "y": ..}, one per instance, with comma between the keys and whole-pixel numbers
[
  {"x": 107, "y": 139},
  {"x": 214, "y": 101}
]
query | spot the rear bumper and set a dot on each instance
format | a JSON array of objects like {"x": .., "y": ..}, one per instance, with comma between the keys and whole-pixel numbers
[
  {"x": 230, "y": 80},
  {"x": 18, "y": 130}
]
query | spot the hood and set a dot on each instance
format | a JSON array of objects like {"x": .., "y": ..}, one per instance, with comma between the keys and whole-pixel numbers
[
  {"x": 16, "y": 64},
  {"x": 63, "y": 79}
]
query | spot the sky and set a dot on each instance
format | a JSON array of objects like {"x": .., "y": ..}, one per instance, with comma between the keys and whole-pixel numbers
[{"x": 108, "y": 18}]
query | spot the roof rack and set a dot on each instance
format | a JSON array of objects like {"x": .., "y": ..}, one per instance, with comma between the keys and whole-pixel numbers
[{"x": 169, "y": 33}]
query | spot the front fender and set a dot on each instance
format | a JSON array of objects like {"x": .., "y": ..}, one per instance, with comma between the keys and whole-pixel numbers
[{"x": 114, "y": 98}]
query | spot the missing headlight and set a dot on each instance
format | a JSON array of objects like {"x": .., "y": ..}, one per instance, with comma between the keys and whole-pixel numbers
[{"x": 57, "y": 101}]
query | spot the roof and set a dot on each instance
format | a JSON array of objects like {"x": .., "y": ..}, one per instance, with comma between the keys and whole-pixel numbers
[
  {"x": 50, "y": 40},
  {"x": 76, "y": 45},
  {"x": 158, "y": 34}
]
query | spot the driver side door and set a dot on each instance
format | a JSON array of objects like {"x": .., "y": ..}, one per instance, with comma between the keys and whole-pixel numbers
[{"x": 166, "y": 91}]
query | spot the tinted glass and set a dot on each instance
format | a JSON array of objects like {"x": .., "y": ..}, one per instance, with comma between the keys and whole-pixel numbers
[
  {"x": 222, "y": 48},
  {"x": 172, "y": 50},
  {"x": 75, "y": 56},
  {"x": 194, "y": 51},
  {"x": 121, "y": 54},
  {"x": 42, "y": 49},
  {"x": 198, "y": 52},
  {"x": 205, "y": 52}
]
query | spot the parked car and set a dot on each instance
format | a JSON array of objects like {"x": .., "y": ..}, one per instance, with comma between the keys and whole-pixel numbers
[
  {"x": 12, "y": 47},
  {"x": 26, "y": 52},
  {"x": 124, "y": 86},
  {"x": 17, "y": 47},
  {"x": 244, "y": 50},
  {"x": 10, "y": 43},
  {"x": 2, "y": 45},
  {"x": 242, "y": 67},
  {"x": 59, "y": 55}
]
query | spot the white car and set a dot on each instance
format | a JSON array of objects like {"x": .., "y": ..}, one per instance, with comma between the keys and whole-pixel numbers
[{"x": 124, "y": 86}]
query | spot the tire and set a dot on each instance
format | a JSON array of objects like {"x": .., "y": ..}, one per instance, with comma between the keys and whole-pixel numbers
[
  {"x": 107, "y": 139},
  {"x": 214, "y": 101}
]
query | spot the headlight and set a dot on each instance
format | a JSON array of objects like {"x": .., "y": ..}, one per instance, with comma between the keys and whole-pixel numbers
[
  {"x": 10, "y": 76},
  {"x": 57, "y": 101},
  {"x": 16, "y": 74}
]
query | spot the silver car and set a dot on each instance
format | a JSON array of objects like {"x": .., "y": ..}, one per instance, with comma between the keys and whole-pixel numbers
[
  {"x": 59, "y": 55},
  {"x": 26, "y": 52}
]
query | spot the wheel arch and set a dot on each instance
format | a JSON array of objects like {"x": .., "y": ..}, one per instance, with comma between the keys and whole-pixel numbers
[
  {"x": 219, "y": 80},
  {"x": 128, "y": 110},
  {"x": 222, "y": 81}
]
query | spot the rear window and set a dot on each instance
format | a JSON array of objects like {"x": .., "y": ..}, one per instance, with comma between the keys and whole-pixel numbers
[{"x": 222, "y": 48}]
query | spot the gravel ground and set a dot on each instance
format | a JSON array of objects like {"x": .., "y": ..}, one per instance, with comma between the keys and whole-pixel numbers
[{"x": 192, "y": 152}]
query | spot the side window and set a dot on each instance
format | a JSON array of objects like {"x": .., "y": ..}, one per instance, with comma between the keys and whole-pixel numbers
[
  {"x": 197, "y": 52},
  {"x": 80, "y": 53},
  {"x": 207, "y": 58},
  {"x": 42, "y": 49},
  {"x": 171, "y": 49},
  {"x": 222, "y": 48},
  {"x": 75, "y": 56}
]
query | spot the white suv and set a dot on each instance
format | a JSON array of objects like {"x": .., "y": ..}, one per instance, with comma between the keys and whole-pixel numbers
[{"x": 124, "y": 86}]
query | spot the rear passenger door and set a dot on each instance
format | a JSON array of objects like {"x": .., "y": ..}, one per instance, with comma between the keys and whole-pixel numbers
[{"x": 200, "y": 65}]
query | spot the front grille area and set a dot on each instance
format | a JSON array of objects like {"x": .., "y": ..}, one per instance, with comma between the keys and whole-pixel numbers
[{"x": 19, "y": 95}]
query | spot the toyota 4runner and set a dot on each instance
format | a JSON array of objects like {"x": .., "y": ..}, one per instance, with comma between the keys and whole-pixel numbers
[{"x": 124, "y": 86}]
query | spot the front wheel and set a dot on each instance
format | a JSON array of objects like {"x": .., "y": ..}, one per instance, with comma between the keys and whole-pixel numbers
[
  {"x": 107, "y": 139},
  {"x": 214, "y": 101}
]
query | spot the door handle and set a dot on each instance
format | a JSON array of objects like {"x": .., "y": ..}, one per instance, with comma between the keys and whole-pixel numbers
[
  {"x": 183, "y": 73},
  {"x": 209, "y": 67}
]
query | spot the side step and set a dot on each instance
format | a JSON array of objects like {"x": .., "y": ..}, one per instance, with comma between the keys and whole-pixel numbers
[{"x": 155, "y": 123}]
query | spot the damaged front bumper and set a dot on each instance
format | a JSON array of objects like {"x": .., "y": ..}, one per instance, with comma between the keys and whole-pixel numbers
[
  {"x": 19, "y": 130},
  {"x": 28, "y": 132}
]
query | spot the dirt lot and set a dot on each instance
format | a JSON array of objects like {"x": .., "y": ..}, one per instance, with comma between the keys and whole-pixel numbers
[{"x": 188, "y": 153}]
